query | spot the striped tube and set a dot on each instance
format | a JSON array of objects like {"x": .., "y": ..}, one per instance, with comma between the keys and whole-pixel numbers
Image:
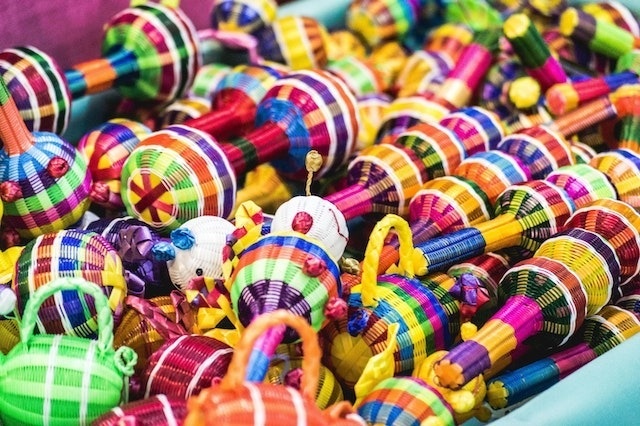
[
  {"x": 152, "y": 54},
  {"x": 600, "y": 36},
  {"x": 234, "y": 101},
  {"x": 533, "y": 51},
  {"x": 601, "y": 332},
  {"x": 564, "y": 97},
  {"x": 38, "y": 88}
]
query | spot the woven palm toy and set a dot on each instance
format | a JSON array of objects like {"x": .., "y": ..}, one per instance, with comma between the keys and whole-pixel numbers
[
  {"x": 133, "y": 241},
  {"x": 372, "y": 109},
  {"x": 146, "y": 324},
  {"x": 69, "y": 253},
  {"x": 185, "y": 365},
  {"x": 545, "y": 298},
  {"x": 55, "y": 379},
  {"x": 45, "y": 182},
  {"x": 601, "y": 332},
  {"x": 299, "y": 42},
  {"x": 599, "y": 35},
  {"x": 384, "y": 177},
  {"x": 152, "y": 411},
  {"x": 286, "y": 369},
  {"x": 430, "y": 65},
  {"x": 206, "y": 80},
  {"x": 376, "y": 21},
  {"x": 38, "y": 87},
  {"x": 238, "y": 402},
  {"x": 405, "y": 112},
  {"x": 622, "y": 166},
  {"x": 234, "y": 102},
  {"x": 360, "y": 75},
  {"x": 247, "y": 16},
  {"x": 105, "y": 149},
  {"x": 294, "y": 267},
  {"x": 179, "y": 173}
]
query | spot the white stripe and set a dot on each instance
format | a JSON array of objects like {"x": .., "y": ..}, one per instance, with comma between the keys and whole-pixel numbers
[
  {"x": 203, "y": 366},
  {"x": 49, "y": 379},
  {"x": 298, "y": 405},
  {"x": 86, "y": 381},
  {"x": 259, "y": 411},
  {"x": 168, "y": 412},
  {"x": 160, "y": 363}
]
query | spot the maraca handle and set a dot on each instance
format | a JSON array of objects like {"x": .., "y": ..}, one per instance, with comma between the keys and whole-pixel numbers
[
  {"x": 262, "y": 353},
  {"x": 101, "y": 74},
  {"x": 13, "y": 132}
]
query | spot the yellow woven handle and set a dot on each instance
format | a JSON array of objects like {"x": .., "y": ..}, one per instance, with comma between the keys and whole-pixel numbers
[
  {"x": 310, "y": 347},
  {"x": 374, "y": 248}
]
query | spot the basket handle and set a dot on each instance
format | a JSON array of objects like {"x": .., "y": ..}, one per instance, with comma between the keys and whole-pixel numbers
[
  {"x": 311, "y": 348},
  {"x": 374, "y": 249},
  {"x": 105, "y": 318}
]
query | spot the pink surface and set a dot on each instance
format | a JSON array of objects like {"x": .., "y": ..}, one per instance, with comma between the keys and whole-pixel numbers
[{"x": 71, "y": 31}]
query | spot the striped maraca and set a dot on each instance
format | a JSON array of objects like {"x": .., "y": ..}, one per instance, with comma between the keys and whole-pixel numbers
[
  {"x": 546, "y": 299},
  {"x": 45, "y": 181},
  {"x": 180, "y": 173},
  {"x": 622, "y": 166},
  {"x": 372, "y": 109},
  {"x": 207, "y": 79},
  {"x": 235, "y": 100},
  {"x": 105, "y": 150},
  {"x": 297, "y": 41},
  {"x": 69, "y": 253},
  {"x": 150, "y": 53},
  {"x": 403, "y": 113},
  {"x": 601, "y": 332},
  {"x": 628, "y": 108}
]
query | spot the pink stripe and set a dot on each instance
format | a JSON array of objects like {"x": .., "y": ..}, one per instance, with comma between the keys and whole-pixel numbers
[
  {"x": 523, "y": 314},
  {"x": 549, "y": 74}
]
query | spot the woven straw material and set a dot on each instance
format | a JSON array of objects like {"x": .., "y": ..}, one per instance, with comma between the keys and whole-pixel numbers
[
  {"x": 622, "y": 166},
  {"x": 235, "y": 401},
  {"x": 203, "y": 258},
  {"x": 495, "y": 87},
  {"x": 177, "y": 174},
  {"x": 540, "y": 148},
  {"x": 611, "y": 326},
  {"x": 329, "y": 390},
  {"x": 494, "y": 171},
  {"x": 422, "y": 71},
  {"x": 145, "y": 326},
  {"x": 159, "y": 43},
  {"x": 591, "y": 258},
  {"x": 247, "y": 16},
  {"x": 405, "y": 401},
  {"x": 273, "y": 274},
  {"x": 58, "y": 380},
  {"x": 372, "y": 109},
  {"x": 359, "y": 75},
  {"x": 207, "y": 79},
  {"x": 9, "y": 334},
  {"x": 440, "y": 284},
  {"x": 583, "y": 184},
  {"x": 316, "y": 111},
  {"x": 489, "y": 268},
  {"x": 297, "y": 41},
  {"x": 478, "y": 129},
  {"x": 403, "y": 113},
  {"x": 323, "y": 223},
  {"x": 449, "y": 38},
  {"x": 105, "y": 150},
  {"x": 38, "y": 87},
  {"x": 69, "y": 253},
  {"x": 181, "y": 111},
  {"x": 582, "y": 152},
  {"x": 377, "y": 21},
  {"x": 382, "y": 179},
  {"x": 185, "y": 365},
  {"x": 153, "y": 411},
  {"x": 619, "y": 223}
]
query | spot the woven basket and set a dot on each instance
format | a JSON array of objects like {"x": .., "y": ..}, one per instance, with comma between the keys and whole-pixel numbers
[
  {"x": 185, "y": 365},
  {"x": 158, "y": 410},
  {"x": 236, "y": 402},
  {"x": 58, "y": 380},
  {"x": 376, "y": 304}
]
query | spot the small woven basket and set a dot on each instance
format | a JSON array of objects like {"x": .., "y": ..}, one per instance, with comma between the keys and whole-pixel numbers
[{"x": 58, "y": 379}]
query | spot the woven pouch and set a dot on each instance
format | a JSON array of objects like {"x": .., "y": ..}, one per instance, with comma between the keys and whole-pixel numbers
[
  {"x": 60, "y": 379},
  {"x": 236, "y": 402}
]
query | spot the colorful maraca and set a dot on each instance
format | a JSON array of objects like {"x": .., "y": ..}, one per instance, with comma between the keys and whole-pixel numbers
[
  {"x": 105, "y": 150},
  {"x": 546, "y": 299},
  {"x": 180, "y": 173},
  {"x": 628, "y": 108},
  {"x": 247, "y": 17},
  {"x": 403, "y": 113},
  {"x": 360, "y": 75},
  {"x": 622, "y": 166},
  {"x": 297, "y": 41},
  {"x": 45, "y": 182},
  {"x": 601, "y": 332},
  {"x": 207, "y": 79}
]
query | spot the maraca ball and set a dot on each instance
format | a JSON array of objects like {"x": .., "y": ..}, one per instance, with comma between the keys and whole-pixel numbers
[
  {"x": 244, "y": 16},
  {"x": 317, "y": 219},
  {"x": 372, "y": 109},
  {"x": 50, "y": 186},
  {"x": 421, "y": 72},
  {"x": 177, "y": 112},
  {"x": 38, "y": 87},
  {"x": 177, "y": 174},
  {"x": 207, "y": 79},
  {"x": 105, "y": 150},
  {"x": 69, "y": 253},
  {"x": 164, "y": 45}
]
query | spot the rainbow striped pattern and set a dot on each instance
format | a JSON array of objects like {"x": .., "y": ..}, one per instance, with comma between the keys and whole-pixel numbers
[
  {"x": 622, "y": 166},
  {"x": 403, "y": 113},
  {"x": 583, "y": 183}
]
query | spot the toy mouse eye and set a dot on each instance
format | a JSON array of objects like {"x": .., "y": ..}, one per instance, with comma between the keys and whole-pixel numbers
[{"x": 199, "y": 272}]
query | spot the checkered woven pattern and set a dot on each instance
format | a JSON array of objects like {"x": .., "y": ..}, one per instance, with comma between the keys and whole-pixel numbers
[
  {"x": 38, "y": 87},
  {"x": 69, "y": 253},
  {"x": 246, "y": 16}
]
